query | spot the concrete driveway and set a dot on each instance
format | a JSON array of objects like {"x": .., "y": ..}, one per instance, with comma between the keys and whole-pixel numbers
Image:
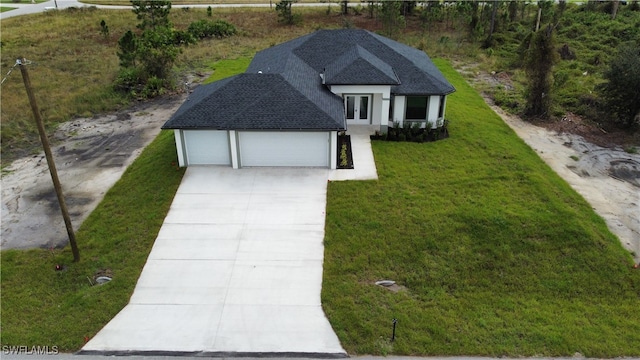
[{"x": 236, "y": 268}]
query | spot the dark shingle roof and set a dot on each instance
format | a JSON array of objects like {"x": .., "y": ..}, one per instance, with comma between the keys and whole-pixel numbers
[
  {"x": 417, "y": 74},
  {"x": 255, "y": 101},
  {"x": 282, "y": 87},
  {"x": 358, "y": 66}
]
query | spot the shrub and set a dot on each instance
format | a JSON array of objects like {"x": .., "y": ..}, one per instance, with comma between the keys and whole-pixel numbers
[
  {"x": 104, "y": 29},
  {"x": 285, "y": 15},
  {"x": 414, "y": 132},
  {"x": 183, "y": 38},
  {"x": 206, "y": 29},
  {"x": 623, "y": 81},
  {"x": 153, "y": 87},
  {"x": 343, "y": 156},
  {"x": 129, "y": 80}
]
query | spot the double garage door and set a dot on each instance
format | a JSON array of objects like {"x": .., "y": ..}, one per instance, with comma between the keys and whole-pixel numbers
[{"x": 256, "y": 148}]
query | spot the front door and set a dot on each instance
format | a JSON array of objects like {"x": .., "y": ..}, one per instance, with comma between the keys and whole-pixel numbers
[{"x": 358, "y": 109}]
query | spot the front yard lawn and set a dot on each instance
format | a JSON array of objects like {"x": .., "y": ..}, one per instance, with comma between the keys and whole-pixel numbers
[
  {"x": 499, "y": 256},
  {"x": 45, "y": 307}
]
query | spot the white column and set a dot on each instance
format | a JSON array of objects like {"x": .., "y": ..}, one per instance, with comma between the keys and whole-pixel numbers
[
  {"x": 384, "y": 123},
  {"x": 177, "y": 133},
  {"x": 398, "y": 109},
  {"x": 444, "y": 107},
  {"x": 432, "y": 110},
  {"x": 233, "y": 145}
]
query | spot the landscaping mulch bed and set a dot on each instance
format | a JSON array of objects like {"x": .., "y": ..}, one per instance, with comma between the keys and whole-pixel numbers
[{"x": 345, "y": 158}]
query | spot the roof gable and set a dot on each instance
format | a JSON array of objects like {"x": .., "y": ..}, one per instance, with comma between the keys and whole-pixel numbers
[{"x": 359, "y": 66}]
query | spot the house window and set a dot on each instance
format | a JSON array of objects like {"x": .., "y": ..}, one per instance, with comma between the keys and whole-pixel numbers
[
  {"x": 416, "y": 108},
  {"x": 441, "y": 108}
]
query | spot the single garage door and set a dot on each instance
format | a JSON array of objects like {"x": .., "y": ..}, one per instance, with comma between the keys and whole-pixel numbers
[
  {"x": 284, "y": 148},
  {"x": 207, "y": 147}
]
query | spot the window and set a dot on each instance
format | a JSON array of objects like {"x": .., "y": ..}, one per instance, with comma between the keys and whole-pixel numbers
[{"x": 416, "y": 108}]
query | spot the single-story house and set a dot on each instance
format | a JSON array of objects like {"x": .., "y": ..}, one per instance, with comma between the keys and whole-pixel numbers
[{"x": 294, "y": 98}]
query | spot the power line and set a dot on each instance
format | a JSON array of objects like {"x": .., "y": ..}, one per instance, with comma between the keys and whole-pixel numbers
[
  {"x": 10, "y": 70},
  {"x": 18, "y": 62}
]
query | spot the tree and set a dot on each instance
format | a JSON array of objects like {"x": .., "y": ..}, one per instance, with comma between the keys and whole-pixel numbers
[
  {"x": 146, "y": 59},
  {"x": 391, "y": 15},
  {"x": 492, "y": 25},
  {"x": 152, "y": 13},
  {"x": 614, "y": 8},
  {"x": 157, "y": 52},
  {"x": 284, "y": 12},
  {"x": 408, "y": 7},
  {"x": 540, "y": 58},
  {"x": 512, "y": 8},
  {"x": 620, "y": 92},
  {"x": 128, "y": 45}
]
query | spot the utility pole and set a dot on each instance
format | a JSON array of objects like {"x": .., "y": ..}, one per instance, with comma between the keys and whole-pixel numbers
[{"x": 47, "y": 153}]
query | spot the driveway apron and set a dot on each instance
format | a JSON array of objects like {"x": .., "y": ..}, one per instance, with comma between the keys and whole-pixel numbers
[{"x": 236, "y": 268}]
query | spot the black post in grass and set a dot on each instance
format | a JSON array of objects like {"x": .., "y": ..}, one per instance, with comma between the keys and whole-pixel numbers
[{"x": 393, "y": 334}]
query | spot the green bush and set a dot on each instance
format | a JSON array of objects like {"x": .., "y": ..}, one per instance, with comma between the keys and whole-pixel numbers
[
  {"x": 129, "y": 80},
  {"x": 154, "y": 87},
  {"x": 414, "y": 132},
  {"x": 207, "y": 29}
]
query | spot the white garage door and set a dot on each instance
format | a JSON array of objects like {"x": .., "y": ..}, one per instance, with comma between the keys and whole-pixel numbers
[
  {"x": 207, "y": 147},
  {"x": 284, "y": 149}
]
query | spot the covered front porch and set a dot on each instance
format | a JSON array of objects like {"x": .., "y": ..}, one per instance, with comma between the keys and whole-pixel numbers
[{"x": 376, "y": 107}]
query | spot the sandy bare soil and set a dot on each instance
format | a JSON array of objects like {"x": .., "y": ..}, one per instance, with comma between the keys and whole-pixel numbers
[{"x": 90, "y": 154}]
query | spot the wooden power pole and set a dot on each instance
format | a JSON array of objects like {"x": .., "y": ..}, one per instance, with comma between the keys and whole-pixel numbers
[{"x": 47, "y": 153}]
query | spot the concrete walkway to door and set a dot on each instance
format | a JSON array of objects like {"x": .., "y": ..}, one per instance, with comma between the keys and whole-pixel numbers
[{"x": 236, "y": 268}]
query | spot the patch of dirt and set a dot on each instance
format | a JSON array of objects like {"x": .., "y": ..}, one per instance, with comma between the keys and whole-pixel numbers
[
  {"x": 90, "y": 155},
  {"x": 592, "y": 132}
]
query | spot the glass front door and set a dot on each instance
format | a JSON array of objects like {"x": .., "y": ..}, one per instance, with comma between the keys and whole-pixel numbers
[{"x": 358, "y": 109}]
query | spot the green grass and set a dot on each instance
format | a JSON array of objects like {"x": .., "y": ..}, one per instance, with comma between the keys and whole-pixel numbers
[
  {"x": 228, "y": 67},
  {"x": 5, "y": 8},
  {"x": 499, "y": 256},
  {"x": 41, "y": 306},
  {"x": 73, "y": 66}
]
